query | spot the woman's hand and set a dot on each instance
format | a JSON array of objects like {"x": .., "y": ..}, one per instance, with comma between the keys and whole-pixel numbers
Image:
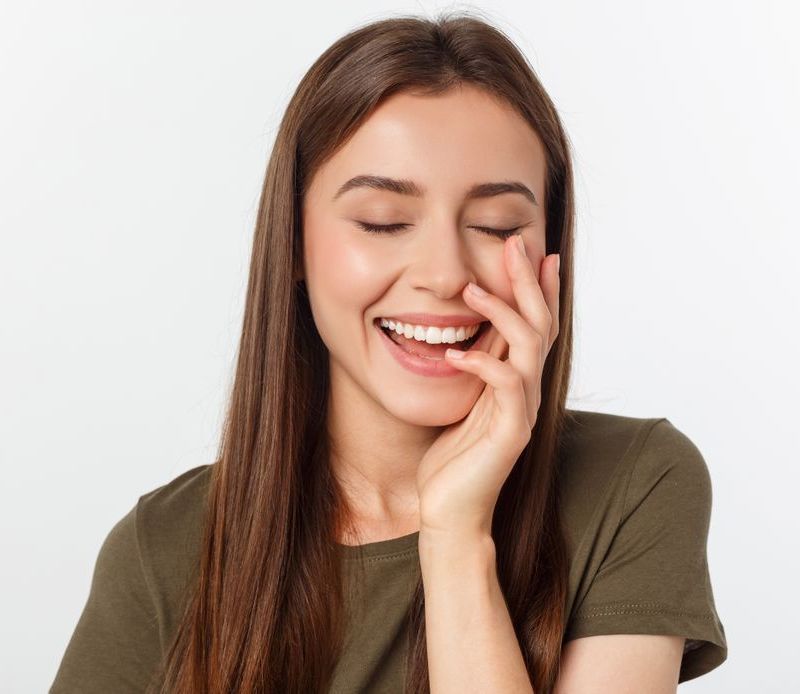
[{"x": 460, "y": 477}]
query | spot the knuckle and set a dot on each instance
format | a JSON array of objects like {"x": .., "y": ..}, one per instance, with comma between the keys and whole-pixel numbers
[
  {"x": 537, "y": 342},
  {"x": 513, "y": 379}
]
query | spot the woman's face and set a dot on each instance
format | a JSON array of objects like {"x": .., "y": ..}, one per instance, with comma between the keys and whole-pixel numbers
[{"x": 441, "y": 147}]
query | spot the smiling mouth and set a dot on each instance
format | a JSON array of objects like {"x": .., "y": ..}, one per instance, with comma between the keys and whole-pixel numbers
[{"x": 410, "y": 344}]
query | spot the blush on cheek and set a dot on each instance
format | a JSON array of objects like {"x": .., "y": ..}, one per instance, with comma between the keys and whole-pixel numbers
[{"x": 349, "y": 278}]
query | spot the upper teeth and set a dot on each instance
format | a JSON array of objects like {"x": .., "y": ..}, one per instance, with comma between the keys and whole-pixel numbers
[{"x": 430, "y": 334}]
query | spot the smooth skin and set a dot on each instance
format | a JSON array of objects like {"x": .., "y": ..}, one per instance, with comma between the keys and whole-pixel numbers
[{"x": 430, "y": 454}]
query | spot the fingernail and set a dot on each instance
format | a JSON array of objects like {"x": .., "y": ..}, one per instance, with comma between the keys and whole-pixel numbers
[
  {"x": 475, "y": 289},
  {"x": 455, "y": 353},
  {"x": 521, "y": 246}
]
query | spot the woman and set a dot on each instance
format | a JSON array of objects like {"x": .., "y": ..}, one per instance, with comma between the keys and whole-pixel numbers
[{"x": 384, "y": 514}]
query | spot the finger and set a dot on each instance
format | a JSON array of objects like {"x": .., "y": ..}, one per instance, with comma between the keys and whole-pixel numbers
[
  {"x": 552, "y": 291},
  {"x": 510, "y": 419},
  {"x": 532, "y": 295},
  {"x": 525, "y": 344},
  {"x": 512, "y": 327}
]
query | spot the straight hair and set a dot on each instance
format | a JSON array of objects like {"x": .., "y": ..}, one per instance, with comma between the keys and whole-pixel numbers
[{"x": 266, "y": 610}]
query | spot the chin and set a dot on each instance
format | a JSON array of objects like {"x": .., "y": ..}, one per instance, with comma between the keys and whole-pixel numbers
[{"x": 435, "y": 409}]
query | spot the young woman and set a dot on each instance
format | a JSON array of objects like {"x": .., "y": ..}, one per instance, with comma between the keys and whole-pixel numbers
[{"x": 386, "y": 514}]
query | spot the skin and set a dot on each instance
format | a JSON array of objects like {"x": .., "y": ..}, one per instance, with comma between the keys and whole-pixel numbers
[{"x": 383, "y": 420}]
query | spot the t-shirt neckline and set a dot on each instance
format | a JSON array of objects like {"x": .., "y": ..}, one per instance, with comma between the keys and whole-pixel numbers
[{"x": 405, "y": 544}]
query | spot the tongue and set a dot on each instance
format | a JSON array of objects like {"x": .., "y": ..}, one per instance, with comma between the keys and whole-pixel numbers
[{"x": 420, "y": 347}]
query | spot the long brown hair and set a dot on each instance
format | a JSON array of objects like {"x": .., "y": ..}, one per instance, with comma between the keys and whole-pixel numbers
[{"x": 266, "y": 611}]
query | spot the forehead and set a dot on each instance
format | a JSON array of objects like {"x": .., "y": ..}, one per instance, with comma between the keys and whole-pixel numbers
[{"x": 446, "y": 143}]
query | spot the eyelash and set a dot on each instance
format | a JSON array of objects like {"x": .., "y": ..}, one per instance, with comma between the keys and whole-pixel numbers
[{"x": 391, "y": 228}]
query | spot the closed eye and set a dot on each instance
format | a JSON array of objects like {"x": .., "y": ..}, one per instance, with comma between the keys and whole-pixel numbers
[{"x": 391, "y": 228}]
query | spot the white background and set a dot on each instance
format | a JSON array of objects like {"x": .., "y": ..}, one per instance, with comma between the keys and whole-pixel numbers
[{"x": 133, "y": 140}]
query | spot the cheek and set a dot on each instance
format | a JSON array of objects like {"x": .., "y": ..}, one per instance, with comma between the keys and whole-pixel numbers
[
  {"x": 345, "y": 274},
  {"x": 343, "y": 258}
]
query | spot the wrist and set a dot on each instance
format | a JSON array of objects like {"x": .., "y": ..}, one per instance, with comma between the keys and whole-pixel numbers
[{"x": 454, "y": 545}]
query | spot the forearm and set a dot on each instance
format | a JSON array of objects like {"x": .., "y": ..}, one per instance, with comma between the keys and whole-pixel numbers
[{"x": 471, "y": 642}]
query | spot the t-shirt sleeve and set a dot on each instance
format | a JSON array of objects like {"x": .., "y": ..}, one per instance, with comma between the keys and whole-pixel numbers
[
  {"x": 115, "y": 646},
  {"x": 654, "y": 578}
]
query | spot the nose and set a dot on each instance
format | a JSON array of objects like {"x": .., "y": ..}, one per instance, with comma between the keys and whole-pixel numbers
[{"x": 441, "y": 263}]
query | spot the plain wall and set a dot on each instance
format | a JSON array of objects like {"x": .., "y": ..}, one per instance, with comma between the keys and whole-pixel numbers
[{"x": 133, "y": 143}]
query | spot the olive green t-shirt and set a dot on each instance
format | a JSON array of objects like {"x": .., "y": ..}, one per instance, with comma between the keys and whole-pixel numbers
[{"x": 636, "y": 500}]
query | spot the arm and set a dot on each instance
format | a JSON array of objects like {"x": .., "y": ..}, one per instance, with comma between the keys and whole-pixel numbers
[
  {"x": 620, "y": 664},
  {"x": 471, "y": 643},
  {"x": 652, "y": 589}
]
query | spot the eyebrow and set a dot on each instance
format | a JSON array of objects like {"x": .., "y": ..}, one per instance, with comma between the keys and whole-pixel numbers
[{"x": 406, "y": 187}]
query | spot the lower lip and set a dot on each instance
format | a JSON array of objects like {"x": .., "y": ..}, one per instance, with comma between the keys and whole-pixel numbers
[{"x": 423, "y": 366}]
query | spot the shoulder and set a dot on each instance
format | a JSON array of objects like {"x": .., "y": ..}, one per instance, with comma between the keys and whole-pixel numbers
[
  {"x": 636, "y": 503},
  {"x": 169, "y": 523},
  {"x": 160, "y": 518},
  {"x": 611, "y": 443},
  {"x": 610, "y": 462},
  {"x": 176, "y": 502},
  {"x": 598, "y": 447},
  {"x": 137, "y": 590}
]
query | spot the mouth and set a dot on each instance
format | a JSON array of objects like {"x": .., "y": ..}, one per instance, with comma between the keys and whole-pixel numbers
[{"x": 409, "y": 344}]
